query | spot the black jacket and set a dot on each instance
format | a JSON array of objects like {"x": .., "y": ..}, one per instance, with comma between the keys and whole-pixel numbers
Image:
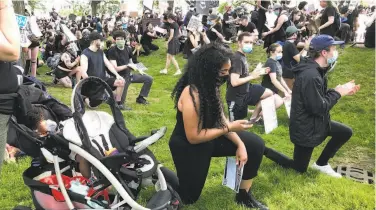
[{"x": 310, "y": 105}]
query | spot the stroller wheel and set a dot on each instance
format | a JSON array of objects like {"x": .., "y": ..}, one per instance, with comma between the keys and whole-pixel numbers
[{"x": 176, "y": 202}]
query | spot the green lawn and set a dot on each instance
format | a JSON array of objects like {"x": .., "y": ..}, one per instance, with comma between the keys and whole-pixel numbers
[{"x": 279, "y": 188}]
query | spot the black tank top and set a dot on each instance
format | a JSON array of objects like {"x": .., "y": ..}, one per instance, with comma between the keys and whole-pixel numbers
[
  {"x": 96, "y": 65},
  {"x": 179, "y": 131}
]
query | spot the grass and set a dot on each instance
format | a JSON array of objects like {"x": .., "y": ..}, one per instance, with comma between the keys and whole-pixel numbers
[{"x": 279, "y": 188}]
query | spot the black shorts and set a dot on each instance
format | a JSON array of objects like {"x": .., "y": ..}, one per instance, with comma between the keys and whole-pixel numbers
[
  {"x": 239, "y": 110},
  {"x": 111, "y": 81},
  {"x": 59, "y": 74}
]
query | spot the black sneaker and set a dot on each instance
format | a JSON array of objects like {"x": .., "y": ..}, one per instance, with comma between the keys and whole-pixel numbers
[
  {"x": 246, "y": 199},
  {"x": 55, "y": 81},
  {"x": 142, "y": 100}
]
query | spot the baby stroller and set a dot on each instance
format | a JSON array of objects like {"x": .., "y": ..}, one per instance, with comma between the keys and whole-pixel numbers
[{"x": 55, "y": 183}]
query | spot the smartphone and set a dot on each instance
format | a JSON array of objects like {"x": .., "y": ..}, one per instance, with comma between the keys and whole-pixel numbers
[{"x": 251, "y": 121}]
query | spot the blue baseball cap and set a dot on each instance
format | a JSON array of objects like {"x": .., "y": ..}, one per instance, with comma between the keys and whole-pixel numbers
[{"x": 321, "y": 42}]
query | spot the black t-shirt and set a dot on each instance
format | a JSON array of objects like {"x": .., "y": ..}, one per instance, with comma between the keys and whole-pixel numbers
[
  {"x": 212, "y": 36},
  {"x": 146, "y": 39},
  {"x": 330, "y": 30},
  {"x": 227, "y": 17},
  {"x": 239, "y": 66},
  {"x": 122, "y": 57},
  {"x": 8, "y": 78},
  {"x": 275, "y": 67},
  {"x": 249, "y": 28},
  {"x": 289, "y": 51},
  {"x": 175, "y": 26},
  {"x": 96, "y": 66}
]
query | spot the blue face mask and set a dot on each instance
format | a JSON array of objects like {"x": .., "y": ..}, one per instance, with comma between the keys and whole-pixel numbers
[
  {"x": 334, "y": 58},
  {"x": 209, "y": 22},
  {"x": 276, "y": 13},
  {"x": 247, "y": 48},
  {"x": 279, "y": 56}
]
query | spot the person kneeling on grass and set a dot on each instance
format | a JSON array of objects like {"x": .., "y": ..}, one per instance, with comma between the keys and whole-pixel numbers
[
  {"x": 120, "y": 57},
  {"x": 68, "y": 66},
  {"x": 202, "y": 131},
  {"x": 240, "y": 93},
  {"x": 311, "y": 103}
]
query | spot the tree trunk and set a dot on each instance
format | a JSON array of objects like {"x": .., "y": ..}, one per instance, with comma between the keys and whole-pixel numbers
[
  {"x": 171, "y": 4},
  {"x": 19, "y": 7},
  {"x": 94, "y": 6}
]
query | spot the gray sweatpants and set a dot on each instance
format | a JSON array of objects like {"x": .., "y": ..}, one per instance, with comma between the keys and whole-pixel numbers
[{"x": 3, "y": 136}]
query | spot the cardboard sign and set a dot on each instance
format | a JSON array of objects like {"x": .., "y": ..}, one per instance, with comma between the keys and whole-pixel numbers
[
  {"x": 269, "y": 114},
  {"x": 21, "y": 21},
  {"x": 133, "y": 14}
]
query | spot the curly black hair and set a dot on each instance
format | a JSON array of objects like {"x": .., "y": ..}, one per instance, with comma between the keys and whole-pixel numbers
[
  {"x": 202, "y": 74},
  {"x": 34, "y": 117}
]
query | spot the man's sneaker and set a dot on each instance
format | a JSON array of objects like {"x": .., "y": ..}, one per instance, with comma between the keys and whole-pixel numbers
[
  {"x": 327, "y": 169},
  {"x": 248, "y": 200},
  {"x": 163, "y": 71},
  {"x": 142, "y": 100},
  {"x": 178, "y": 72}
]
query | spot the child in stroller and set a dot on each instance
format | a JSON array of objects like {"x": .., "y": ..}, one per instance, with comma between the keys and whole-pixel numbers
[{"x": 92, "y": 135}]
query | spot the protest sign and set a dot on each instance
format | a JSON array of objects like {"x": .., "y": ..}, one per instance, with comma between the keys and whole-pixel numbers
[
  {"x": 269, "y": 114},
  {"x": 21, "y": 21}
]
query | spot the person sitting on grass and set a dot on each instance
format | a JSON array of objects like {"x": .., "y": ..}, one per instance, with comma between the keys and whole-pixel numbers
[
  {"x": 120, "y": 57},
  {"x": 202, "y": 131},
  {"x": 68, "y": 67},
  {"x": 310, "y": 122},
  {"x": 93, "y": 63}
]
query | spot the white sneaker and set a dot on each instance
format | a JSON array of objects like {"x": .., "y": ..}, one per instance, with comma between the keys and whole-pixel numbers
[
  {"x": 327, "y": 169},
  {"x": 163, "y": 71},
  {"x": 178, "y": 72}
]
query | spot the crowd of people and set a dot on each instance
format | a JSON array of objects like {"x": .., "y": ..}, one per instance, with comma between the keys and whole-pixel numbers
[{"x": 301, "y": 46}]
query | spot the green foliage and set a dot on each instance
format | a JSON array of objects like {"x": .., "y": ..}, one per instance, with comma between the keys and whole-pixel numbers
[
  {"x": 36, "y": 4},
  {"x": 281, "y": 189},
  {"x": 221, "y": 8}
]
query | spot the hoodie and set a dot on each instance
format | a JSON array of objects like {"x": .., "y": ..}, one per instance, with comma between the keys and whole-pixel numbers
[{"x": 310, "y": 105}]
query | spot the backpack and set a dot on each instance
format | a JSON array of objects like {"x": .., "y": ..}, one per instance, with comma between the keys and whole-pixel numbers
[{"x": 53, "y": 62}]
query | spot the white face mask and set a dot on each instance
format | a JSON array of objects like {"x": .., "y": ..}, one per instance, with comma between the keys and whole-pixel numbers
[{"x": 306, "y": 7}]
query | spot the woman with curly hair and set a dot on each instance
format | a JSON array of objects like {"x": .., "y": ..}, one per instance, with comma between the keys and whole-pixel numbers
[{"x": 202, "y": 131}]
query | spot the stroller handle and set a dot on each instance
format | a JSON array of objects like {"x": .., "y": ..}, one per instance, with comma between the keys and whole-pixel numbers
[
  {"x": 150, "y": 140},
  {"x": 77, "y": 102}
]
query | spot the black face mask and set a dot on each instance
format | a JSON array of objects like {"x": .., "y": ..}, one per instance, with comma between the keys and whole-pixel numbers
[{"x": 221, "y": 80}]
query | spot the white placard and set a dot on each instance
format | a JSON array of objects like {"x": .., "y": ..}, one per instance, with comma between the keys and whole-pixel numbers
[
  {"x": 269, "y": 114},
  {"x": 148, "y": 4},
  {"x": 160, "y": 30},
  {"x": 24, "y": 41},
  {"x": 287, "y": 102},
  {"x": 233, "y": 174},
  {"x": 34, "y": 26},
  {"x": 194, "y": 24},
  {"x": 68, "y": 33}
]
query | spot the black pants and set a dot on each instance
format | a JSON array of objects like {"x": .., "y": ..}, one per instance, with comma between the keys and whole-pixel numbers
[
  {"x": 137, "y": 78},
  {"x": 148, "y": 48},
  {"x": 261, "y": 22},
  {"x": 192, "y": 161},
  {"x": 302, "y": 155},
  {"x": 344, "y": 32}
]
